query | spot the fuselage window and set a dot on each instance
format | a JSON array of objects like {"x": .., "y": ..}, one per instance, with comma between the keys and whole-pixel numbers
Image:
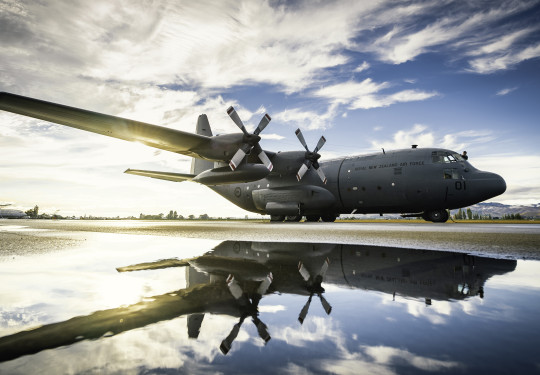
[{"x": 450, "y": 174}]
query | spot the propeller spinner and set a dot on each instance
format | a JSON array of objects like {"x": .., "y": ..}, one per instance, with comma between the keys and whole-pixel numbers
[
  {"x": 251, "y": 141},
  {"x": 311, "y": 158}
]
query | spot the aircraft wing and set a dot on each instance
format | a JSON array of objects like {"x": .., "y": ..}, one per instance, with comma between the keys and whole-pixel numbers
[
  {"x": 135, "y": 131},
  {"x": 169, "y": 176}
]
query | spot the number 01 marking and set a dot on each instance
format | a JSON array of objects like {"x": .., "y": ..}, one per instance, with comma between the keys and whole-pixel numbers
[{"x": 461, "y": 185}]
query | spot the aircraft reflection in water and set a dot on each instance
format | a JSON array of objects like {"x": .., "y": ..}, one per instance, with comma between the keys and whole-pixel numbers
[{"x": 233, "y": 278}]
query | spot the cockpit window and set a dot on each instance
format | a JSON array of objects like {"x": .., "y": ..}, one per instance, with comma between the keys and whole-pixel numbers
[{"x": 445, "y": 157}]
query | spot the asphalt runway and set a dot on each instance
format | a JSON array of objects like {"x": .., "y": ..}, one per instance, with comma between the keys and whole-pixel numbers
[{"x": 19, "y": 237}]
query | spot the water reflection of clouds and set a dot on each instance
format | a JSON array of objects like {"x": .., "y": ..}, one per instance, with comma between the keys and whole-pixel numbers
[
  {"x": 437, "y": 312},
  {"x": 526, "y": 276},
  {"x": 383, "y": 360},
  {"x": 359, "y": 336},
  {"x": 82, "y": 280},
  {"x": 17, "y": 318},
  {"x": 164, "y": 345}
]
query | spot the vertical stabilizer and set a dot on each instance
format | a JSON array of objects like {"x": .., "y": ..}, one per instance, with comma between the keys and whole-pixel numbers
[{"x": 201, "y": 165}]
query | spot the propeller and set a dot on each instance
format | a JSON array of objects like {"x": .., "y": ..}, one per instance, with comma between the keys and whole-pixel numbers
[
  {"x": 250, "y": 141},
  {"x": 314, "y": 287},
  {"x": 311, "y": 158}
]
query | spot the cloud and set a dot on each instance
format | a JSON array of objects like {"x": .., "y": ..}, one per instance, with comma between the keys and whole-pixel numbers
[
  {"x": 275, "y": 137},
  {"x": 470, "y": 29},
  {"x": 506, "y": 91},
  {"x": 503, "y": 61},
  {"x": 204, "y": 44},
  {"x": 366, "y": 94},
  {"x": 362, "y": 67},
  {"x": 306, "y": 119},
  {"x": 423, "y": 136}
]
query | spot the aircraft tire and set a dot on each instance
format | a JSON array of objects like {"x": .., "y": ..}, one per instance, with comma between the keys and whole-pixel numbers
[
  {"x": 294, "y": 218},
  {"x": 436, "y": 216},
  {"x": 277, "y": 218},
  {"x": 329, "y": 218},
  {"x": 312, "y": 218}
]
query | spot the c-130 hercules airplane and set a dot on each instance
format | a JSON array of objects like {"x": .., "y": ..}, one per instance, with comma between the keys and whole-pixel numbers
[{"x": 415, "y": 182}]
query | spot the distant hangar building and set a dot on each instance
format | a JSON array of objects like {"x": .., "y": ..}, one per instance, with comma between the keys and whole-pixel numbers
[{"x": 11, "y": 213}]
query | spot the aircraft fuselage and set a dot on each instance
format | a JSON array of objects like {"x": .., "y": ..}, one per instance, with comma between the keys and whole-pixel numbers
[{"x": 416, "y": 180}]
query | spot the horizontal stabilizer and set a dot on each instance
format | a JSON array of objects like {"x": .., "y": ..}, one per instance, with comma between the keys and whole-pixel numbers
[
  {"x": 164, "y": 263},
  {"x": 169, "y": 176}
]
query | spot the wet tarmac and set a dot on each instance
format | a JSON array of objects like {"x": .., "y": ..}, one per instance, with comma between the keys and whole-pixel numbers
[
  {"x": 499, "y": 240},
  {"x": 84, "y": 297}
]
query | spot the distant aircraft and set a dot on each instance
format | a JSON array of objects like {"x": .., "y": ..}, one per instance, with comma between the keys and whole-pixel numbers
[
  {"x": 232, "y": 279},
  {"x": 415, "y": 182}
]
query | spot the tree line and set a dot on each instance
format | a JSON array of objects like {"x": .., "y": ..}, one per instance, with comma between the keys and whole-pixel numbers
[
  {"x": 173, "y": 215},
  {"x": 468, "y": 214}
]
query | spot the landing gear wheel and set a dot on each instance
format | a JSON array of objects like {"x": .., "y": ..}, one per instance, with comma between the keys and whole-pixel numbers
[
  {"x": 277, "y": 218},
  {"x": 294, "y": 218},
  {"x": 312, "y": 218},
  {"x": 436, "y": 216},
  {"x": 328, "y": 218}
]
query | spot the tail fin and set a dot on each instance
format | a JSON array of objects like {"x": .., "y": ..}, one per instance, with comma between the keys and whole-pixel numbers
[{"x": 201, "y": 165}]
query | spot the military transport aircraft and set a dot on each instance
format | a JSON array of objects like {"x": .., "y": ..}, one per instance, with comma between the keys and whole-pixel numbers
[{"x": 415, "y": 182}]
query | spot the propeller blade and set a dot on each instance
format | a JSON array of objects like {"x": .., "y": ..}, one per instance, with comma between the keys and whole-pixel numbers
[
  {"x": 234, "y": 288},
  {"x": 263, "y": 157},
  {"x": 227, "y": 342},
  {"x": 305, "y": 310},
  {"x": 264, "y": 121},
  {"x": 263, "y": 287},
  {"x": 321, "y": 143},
  {"x": 303, "y": 271},
  {"x": 237, "y": 159},
  {"x": 301, "y": 172},
  {"x": 321, "y": 175},
  {"x": 324, "y": 267},
  {"x": 300, "y": 137},
  {"x": 326, "y": 306},
  {"x": 234, "y": 116},
  {"x": 262, "y": 330}
]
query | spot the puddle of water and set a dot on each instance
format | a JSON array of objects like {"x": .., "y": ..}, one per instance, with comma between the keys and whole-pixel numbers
[{"x": 192, "y": 305}]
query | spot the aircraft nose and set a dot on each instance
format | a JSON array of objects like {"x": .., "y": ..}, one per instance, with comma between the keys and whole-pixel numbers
[
  {"x": 499, "y": 184},
  {"x": 493, "y": 184}
]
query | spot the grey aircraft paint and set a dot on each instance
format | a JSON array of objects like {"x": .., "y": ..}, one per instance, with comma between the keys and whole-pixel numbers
[{"x": 413, "y": 180}]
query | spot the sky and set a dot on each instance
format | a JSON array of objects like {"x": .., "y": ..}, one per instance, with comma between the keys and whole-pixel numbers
[{"x": 365, "y": 74}]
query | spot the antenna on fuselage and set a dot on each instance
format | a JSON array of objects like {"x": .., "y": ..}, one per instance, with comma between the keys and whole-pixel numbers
[{"x": 383, "y": 151}]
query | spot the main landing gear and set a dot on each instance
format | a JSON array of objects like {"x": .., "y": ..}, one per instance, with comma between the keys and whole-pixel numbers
[
  {"x": 309, "y": 218},
  {"x": 436, "y": 216}
]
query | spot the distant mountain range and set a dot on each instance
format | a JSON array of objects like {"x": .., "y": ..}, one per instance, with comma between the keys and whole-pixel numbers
[{"x": 499, "y": 210}]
